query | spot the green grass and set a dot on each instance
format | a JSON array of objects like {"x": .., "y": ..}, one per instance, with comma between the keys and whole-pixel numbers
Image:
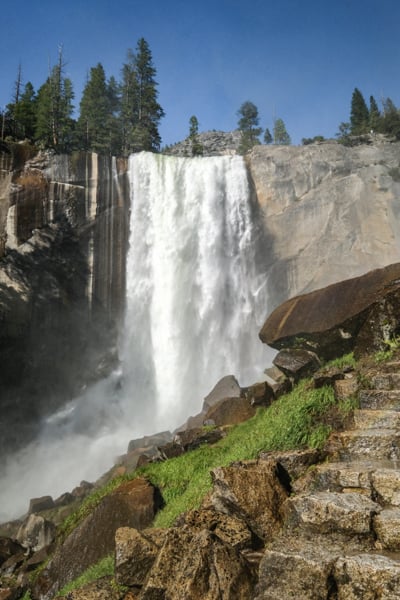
[
  {"x": 347, "y": 360},
  {"x": 296, "y": 420},
  {"x": 105, "y": 567}
]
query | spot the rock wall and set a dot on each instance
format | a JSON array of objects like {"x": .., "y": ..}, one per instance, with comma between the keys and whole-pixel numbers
[
  {"x": 63, "y": 238},
  {"x": 329, "y": 212}
]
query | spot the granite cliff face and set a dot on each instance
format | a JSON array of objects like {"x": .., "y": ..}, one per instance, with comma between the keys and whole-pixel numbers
[
  {"x": 329, "y": 212},
  {"x": 63, "y": 232}
]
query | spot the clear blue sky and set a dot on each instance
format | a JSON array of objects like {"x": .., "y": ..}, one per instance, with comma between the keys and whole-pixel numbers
[{"x": 296, "y": 59}]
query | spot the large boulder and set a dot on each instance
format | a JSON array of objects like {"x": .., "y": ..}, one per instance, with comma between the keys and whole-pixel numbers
[
  {"x": 132, "y": 504},
  {"x": 359, "y": 313}
]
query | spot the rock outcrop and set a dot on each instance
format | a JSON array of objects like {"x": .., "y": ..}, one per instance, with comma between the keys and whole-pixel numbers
[
  {"x": 360, "y": 313},
  {"x": 63, "y": 233},
  {"x": 328, "y": 212}
]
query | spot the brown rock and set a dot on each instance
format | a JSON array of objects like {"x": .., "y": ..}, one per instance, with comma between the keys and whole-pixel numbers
[
  {"x": 101, "y": 589},
  {"x": 132, "y": 504},
  {"x": 296, "y": 362},
  {"x": 149, "y": 441},
  {"x": 36, "y": 533},
  {"x": 8, "y": 547},
  {"x": 330, "y": 321},
  {"x": 252, "y": 492},
  {"x": 228, "y": 528},
  {"x": 227, "y": 387},
  {"x": 38, "y": 504},
  {"x": 260, "y": 394},
  {"x": 230, "y": 411},
  {"x": 199, "y": 566},
  {"x": 135, "y": 553},
  {"x": 367, "y": 576},
  {"x": 193, "y": 438}
]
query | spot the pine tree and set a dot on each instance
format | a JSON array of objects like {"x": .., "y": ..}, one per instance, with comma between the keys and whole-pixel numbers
[
  {"x": 268, "y": 139},
  {"x": 390, "y": 122},
  {"x": 248, "y": 126},
  {"x": 359, "y": 115},
  {"x": 25, "y": 113},
  {"x": 95, "y": 113},
  {"x": 196, "y": 146},
  {"x": 140, "y": 111},
  {"x": 54, "y": 124},
  {"x": 374, "y": 115},
  {"x": 281, "y": 136}
]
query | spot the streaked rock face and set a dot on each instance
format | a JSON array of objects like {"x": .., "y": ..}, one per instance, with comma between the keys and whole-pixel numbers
[
  {"x": 63, "y": 237},
  {"x": 329, "y": 212}
]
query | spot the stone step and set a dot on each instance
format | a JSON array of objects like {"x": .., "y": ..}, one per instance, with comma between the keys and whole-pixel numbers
[
  {"x": 386, "y": 381},
  {"x": 372, "y": 444},
  {"x": 367, "y": 576},
  {"x": 377, "y": 419},
  {"x": 376, "y": 399},
  {"x": 387, "y": 529},
  {"x": 331, "y": 512},
  {"x": 379, "y": 480}
]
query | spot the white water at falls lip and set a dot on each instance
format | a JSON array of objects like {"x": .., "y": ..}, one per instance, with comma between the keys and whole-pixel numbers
[{"x": 195, "y": 302}]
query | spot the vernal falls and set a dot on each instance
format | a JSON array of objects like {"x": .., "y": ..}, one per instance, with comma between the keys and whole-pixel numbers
[{"x": 196, "y": 299}]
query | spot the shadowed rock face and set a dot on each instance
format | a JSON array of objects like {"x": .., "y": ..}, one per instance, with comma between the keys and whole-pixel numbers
[
  {"x": 63, "y": 239},
  {"x": 356, "y": 313}
]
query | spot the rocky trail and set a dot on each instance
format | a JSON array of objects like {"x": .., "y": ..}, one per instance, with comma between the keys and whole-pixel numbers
[{"x": 341, "y": 534}]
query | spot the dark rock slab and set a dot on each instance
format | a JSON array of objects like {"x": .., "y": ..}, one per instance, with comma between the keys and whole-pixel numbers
[
  {"x": 297, "y": 362},
  {"x": 356, "y": 313}
]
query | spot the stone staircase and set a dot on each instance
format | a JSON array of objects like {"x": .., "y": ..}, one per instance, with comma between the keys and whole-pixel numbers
[{"x": 341, "y": 539}]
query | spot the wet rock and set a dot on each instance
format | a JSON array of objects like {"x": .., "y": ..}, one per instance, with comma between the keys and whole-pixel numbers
[
  {"x": 101, "y": 589},
  {"x": 251, "y": 491},
  {"x": 36, "y": 533},
  {"x": 358, "y": 313},
  {"x": 367, "y": 576},
  {"x": 199, "y": 566},
  {"x": 331, "y": 511},
  {"x": 8, "y": 548},
  {"x": 303, "y": 573},
  {"x": 297, "y": 363},
  {"x": 132, "y": 504},
  {"x": 193, "y": 438},
  {"x": 135, "y": 553},
  {"x": 387, "y": 529},
  {"x": 149, "y": 441},
  {"x": 230, "y": 411},
  {"x": 38, "y": 504},
  {"x": 228, "y": 528},
  {"x": 260, "y": 394},
  {"x": 227, "y": 387}
]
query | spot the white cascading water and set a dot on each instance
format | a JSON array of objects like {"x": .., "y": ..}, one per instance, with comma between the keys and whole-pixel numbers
[
  {"x": 194, "y": 296},
  {"x": 195, "y": 303}
]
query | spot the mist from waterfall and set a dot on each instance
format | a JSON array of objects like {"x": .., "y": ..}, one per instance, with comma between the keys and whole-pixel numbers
[{"x": 195, "y": 302}]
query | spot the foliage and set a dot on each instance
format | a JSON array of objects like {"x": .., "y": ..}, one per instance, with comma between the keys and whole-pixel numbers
[
  {"x": 268, "y": 139},
  {"x": 104, "y": 568},
  {"x": 96, "y": 121},
  {"x": 248, "y": 126},
  {"x": 359, "y": 114},
  {"x": 392, "y": 345},
  {"x": 374, "y": 115},
  {"x": 196, "y": 146},
  {"x": 313, "y": 140},
  {"x": 140, "y": 111},
  {"x": 281, "y": 136}
]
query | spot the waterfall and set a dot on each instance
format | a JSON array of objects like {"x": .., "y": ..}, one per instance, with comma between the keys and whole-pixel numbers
[
  {"x": 195, "y": 302},
  {"x": 195, "y": 299}
]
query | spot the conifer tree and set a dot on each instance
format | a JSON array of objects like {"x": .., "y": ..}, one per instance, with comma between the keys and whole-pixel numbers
[
  {"x": 268, "y": 139},
  {"x": 54, "y": 124},
  {"x": 196, "y": 146},
  {"x": 140, "y": 111},
  {"x": 25, "y": 113},
  {"x": 374, "y": 115},
  {"x": 359, "y": 115},
  {"x": 248, "y": 126},
  {"x": 281, "y": 136},
  {"x": 94, "y": 121}
]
